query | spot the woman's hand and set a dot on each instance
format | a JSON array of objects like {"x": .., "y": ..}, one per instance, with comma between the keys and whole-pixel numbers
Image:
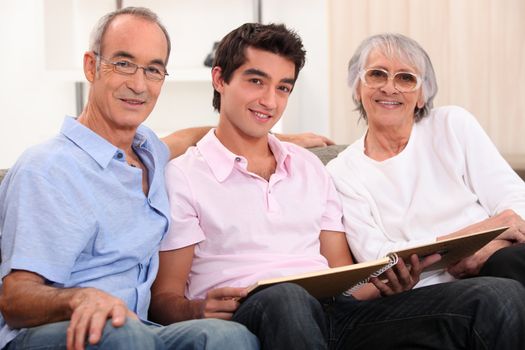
[{"x": 401, "y": 277}]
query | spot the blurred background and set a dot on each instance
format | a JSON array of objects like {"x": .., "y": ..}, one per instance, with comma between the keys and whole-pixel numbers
[{"x": 477, "y": 48}]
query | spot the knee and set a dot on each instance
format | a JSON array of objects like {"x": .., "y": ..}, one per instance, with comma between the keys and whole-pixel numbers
[
  {"x": 283, "y": 303},
  {"x": 132, "y": 335},
  {"x": 220, "y": 334},
  {"x": 507, "y": 262},
  {"x": 286, "y": 296},
  {"x": 502, "y": 295}
]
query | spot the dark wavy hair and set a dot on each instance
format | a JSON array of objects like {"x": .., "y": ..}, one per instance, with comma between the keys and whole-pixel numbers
[{"x": 275, "y": 38}]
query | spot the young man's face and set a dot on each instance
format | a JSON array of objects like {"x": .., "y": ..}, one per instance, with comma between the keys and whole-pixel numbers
[
  {"x": 125, "y": 101},
  {"x": 256, "y": 96}
]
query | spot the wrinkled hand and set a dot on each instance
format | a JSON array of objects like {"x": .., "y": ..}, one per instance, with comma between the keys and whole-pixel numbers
[
  {"x": 470, "y": 266},
  {"x": 306, "y": 139},
  {"x": 222, "y": 302},
  {"x": 91, "y": 309},
  {"x": 401, "y": 277},
  {"x": 516, "y": 231}
]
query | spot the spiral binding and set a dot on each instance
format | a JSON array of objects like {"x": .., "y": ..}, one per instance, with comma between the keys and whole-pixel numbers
[{"x": 393, "y": 260}]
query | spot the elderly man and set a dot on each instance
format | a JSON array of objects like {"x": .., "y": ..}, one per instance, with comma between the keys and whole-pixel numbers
[{"x": 82, "y": 216}]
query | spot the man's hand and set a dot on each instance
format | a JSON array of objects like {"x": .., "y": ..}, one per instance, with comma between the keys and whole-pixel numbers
[
  {"x": 222, "y": 302},
  {"x": 91, "y": 308},
  {"x": 402, "y": 277},
  {"x": 306, "y": 139}
]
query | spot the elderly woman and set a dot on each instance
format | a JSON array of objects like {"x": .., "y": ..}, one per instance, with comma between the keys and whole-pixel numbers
[{"x": 421, "y": 174}]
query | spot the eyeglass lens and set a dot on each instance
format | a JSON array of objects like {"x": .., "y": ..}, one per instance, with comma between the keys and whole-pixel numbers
[
  {"x": 403, "y": 81},
  {"x": 125, "y": 67}
]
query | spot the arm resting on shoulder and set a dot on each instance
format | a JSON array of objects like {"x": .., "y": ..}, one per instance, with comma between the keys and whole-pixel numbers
[
  {"x": 306, "y": 139},
  {"x": 179, "y": 141}
]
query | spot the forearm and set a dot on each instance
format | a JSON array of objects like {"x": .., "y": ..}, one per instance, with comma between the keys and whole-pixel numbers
[
  {"x": 28, "y": 303},
  {"x": 505, "y": 218},
  {"x": 179, "y": 141},
  {"x": 168, "y": 308}
]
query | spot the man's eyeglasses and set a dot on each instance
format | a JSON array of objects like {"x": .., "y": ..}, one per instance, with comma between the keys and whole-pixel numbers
[
  {"x": 403, "y": 81},
  {"x": 152, "y": 72}
]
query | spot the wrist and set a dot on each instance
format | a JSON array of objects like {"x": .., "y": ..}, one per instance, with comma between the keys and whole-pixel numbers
[{"x": 199, "y": 308}]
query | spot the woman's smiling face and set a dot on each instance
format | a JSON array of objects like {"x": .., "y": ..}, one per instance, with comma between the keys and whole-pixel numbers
[{"x": 386, "y": 106}]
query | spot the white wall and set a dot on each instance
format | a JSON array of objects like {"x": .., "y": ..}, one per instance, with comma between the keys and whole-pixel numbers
[
  {"x": 43, "y": 42},
  {"x": 32, "y": 104}
]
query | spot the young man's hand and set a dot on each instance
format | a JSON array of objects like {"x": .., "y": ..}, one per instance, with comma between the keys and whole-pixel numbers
[{"x": 222, "y": 302}]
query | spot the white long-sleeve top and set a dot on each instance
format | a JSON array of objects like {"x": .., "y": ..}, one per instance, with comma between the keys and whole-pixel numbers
[{"x": 450, "y": 175}]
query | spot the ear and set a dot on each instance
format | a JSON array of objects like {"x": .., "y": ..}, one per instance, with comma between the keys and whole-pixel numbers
[
  {"x": 421, "y": 101},
  {"x": 358, "y": 92},
  {"x": 216, "y": 79},
  {"x": 90, "y": 66}
]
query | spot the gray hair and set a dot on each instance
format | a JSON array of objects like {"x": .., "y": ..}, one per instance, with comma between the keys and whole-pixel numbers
[
  {"x": 99, "y": 30},
  {"x": 406, "y": 50}
]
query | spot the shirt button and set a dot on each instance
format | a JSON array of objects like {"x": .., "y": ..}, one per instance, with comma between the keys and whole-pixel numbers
[
  {"x": 237, "y": 159},
  {"x": 119, "y": 155}
]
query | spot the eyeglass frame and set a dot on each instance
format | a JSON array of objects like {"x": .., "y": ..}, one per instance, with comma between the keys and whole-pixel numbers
[
  {"x": 391, "y": 77},
  {"x": 131, "y": 64}
]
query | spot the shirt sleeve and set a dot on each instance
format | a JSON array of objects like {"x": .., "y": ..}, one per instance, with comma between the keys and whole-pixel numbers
[
  {"x": 44, "y": 231},
  {"x": 493, "y": 180},
  {"x": 184, "y": 227},
  {"x": 333, "y": 214},
  {"x": 367, "y": 238}
]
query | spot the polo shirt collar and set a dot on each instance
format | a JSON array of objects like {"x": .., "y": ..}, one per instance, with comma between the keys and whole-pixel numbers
[
  {"x": 95, "y": 145},
  {"x": 222, "y": 161},
  {"x": 282, "y": 155}
]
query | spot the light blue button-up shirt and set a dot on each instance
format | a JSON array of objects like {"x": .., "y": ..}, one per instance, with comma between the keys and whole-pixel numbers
[{"x": 73, "y": 211}]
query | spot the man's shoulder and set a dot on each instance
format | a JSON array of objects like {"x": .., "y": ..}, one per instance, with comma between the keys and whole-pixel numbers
[
  {"x": 52, "y": 153},
  {"x": 54, "y": 159}
]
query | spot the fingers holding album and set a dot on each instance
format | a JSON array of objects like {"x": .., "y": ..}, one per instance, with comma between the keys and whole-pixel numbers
[{"x": 402, "y": 276}]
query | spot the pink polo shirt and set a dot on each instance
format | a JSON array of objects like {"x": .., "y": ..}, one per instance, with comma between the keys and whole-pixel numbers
[{"x": 246, "y": 228}]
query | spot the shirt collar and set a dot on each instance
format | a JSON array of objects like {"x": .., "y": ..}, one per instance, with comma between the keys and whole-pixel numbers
[
  {"x": 222, "y": 161},
  {"x": 282, "y": 155},
  {"x": 95, "y": 145}
]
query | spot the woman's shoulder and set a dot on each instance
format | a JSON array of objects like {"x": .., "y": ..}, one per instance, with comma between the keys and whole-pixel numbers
[
  {"x": 453, "y": 118},
  {"x": 451, "y": 112}
]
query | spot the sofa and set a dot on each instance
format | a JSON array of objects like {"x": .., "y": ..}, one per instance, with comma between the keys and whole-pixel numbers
[{"x": 324, "y": 153}]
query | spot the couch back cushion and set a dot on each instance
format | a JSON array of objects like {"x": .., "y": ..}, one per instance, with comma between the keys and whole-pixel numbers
[{"x": 2, "y": 174}]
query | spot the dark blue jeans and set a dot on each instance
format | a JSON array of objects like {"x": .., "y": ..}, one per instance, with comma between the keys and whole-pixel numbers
[
  {"x": 477, "y": 313},
  {"x": 508, "y": 262}
]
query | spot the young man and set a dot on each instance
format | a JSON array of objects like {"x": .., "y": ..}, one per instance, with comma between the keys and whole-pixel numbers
[
  {"x": 82, "y": 216},
  {"x": 245, "y": 206}
]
